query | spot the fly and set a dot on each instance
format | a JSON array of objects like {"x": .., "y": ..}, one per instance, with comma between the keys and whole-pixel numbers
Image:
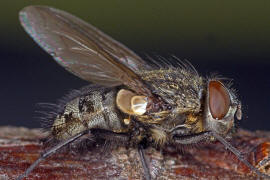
[{"x": 133, "y": 102}]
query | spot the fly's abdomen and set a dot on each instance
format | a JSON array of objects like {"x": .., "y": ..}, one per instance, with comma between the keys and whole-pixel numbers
[{"x": 94, "y": 110}]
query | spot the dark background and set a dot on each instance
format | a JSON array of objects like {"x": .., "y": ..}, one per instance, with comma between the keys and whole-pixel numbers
[{"x": 229, "y": 37}]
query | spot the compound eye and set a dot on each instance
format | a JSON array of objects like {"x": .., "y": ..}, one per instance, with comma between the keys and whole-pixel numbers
[{"x": 219, "y": 99}]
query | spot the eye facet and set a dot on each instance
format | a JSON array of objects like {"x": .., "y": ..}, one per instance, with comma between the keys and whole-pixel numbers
[{"x": 219, "y": 99}]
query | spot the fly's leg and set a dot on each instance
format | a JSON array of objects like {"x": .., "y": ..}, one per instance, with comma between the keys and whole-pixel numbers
[
  {"x": 111, "y": 138},
  {"x": 191, "y": 139},
  {"x": 50, "y": 152},
  {"x": 123, "y": 137},
  {"x": 97, "y": 132},
  {"x": 144, "y": 164}
]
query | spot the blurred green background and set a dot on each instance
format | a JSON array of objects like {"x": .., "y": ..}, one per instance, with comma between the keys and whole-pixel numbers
[{"x": 229, "y": 37}]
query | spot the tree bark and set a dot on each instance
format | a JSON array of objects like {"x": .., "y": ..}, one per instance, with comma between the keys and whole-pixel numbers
[{"x": 20, "y": 147}]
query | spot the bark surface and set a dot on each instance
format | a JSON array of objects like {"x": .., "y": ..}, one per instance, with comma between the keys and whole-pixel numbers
[{"x": 19, "y": 147}]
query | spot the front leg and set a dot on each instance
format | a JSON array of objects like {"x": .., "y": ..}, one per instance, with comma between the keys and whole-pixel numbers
[{"x": 191, "y": 139}]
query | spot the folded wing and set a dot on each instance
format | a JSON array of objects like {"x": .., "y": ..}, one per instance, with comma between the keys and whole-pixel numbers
[{"x": 82, "y": 49}]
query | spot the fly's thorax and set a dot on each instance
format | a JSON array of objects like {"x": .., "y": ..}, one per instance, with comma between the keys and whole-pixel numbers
[
  {"x": 178, "y": 87},
  {"x": 94, "y": 110},
  {"x": 176, "y": 92}
]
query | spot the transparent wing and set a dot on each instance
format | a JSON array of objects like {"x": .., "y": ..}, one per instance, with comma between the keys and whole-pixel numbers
[{"x": 81, "y": 48}]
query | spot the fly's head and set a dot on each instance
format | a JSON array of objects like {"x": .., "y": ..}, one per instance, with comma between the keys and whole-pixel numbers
[{"x": 221, "y": 108}]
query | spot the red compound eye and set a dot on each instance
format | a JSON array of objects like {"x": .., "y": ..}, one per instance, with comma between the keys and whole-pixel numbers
[{"x": 219, "y": 99}]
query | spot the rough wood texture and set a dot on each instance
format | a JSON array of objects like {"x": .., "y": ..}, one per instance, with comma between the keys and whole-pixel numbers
[{"x": 19, "y": 147}]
